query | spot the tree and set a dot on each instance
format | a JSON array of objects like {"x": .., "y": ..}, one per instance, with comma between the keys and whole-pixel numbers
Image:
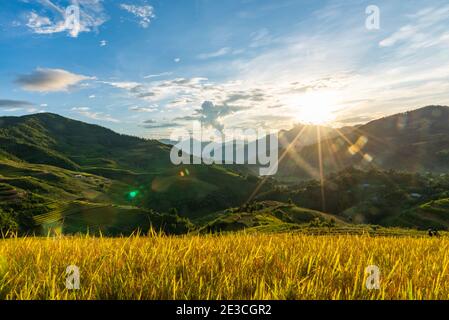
[{"x": 7, "y": 223}]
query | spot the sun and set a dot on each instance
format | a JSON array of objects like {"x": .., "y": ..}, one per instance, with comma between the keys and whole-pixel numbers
[{"x": 316, "y": 107}]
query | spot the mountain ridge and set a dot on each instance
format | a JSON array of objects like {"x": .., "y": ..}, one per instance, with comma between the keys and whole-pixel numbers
[
  {"x": 415, "y": 141},
  {"x": 52, "y": 164}
]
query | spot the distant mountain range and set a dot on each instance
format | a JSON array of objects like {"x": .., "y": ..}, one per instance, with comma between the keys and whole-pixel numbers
[
  {"x": 414, "y": 141},
  {"x": 309, "y": 136}
]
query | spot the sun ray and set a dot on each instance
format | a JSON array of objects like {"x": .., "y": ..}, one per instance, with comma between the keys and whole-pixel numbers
[
  {"x": 286, "y": 151},
  {"x": 332, "y": 154},
  {"x": 373, "y": 165},
  {"x": 320, "y": 164}
]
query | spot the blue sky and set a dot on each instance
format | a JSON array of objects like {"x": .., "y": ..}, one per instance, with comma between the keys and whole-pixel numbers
[{"x": 147, "y": 67}]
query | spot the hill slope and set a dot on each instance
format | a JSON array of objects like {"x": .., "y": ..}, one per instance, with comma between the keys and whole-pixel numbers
[
  {"x": 269, "y": 216},
  {"x": 386, "y": 198},
  {"x": 415, "y": 141},
  {"x": 46, "y": 158}
]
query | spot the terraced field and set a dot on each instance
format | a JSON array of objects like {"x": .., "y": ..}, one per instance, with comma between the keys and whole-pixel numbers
[
  {"x": 83, "y": 217},
  {"x": 8, "y": 193}
]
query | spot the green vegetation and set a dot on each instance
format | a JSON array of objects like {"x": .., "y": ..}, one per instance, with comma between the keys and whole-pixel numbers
[
  {"x": 48, "y": 163},
  {"x": 269, "y": 216},
  {"x": 387, "y": 198},
  {"x": 63, "y": 176}
]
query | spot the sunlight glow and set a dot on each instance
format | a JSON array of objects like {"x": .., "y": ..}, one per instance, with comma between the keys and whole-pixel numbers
[{"x": 317, "y": 107}]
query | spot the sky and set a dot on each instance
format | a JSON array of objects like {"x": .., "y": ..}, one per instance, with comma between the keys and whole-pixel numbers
[{"x": 147, "y": 67}]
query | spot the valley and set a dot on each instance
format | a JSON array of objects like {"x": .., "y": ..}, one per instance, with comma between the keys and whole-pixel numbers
[{"x": 60, "y": 176}]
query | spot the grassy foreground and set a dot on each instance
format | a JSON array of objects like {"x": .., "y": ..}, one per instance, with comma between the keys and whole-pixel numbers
[{"x": 234, "y": 266}]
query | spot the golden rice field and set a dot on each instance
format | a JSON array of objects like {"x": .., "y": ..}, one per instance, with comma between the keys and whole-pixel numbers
[{"x": 234, "y": 266}]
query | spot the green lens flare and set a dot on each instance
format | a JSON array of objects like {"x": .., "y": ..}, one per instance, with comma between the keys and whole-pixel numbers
[{"x": 133, "y": 194}]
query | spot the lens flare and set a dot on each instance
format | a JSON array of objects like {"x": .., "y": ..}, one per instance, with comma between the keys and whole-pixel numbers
[{"x": 133, "y": 194}]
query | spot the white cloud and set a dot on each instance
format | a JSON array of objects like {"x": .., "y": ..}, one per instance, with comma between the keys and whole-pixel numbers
[
  {"x": 163, "y": 74},
  {"x": 215, "y": 54},
  {"x": 56, "y": 20},
  {"x": 160, "y": 90},
  {"x": 145, "y": 14},
  {"x": 103, "y": 43},
  {"x": 260, "y": 38},
  {"x": 177, "y": 60},
  {"x": 80, "y": 109},
  {"x": 37, "y": 22},
  {"x": 143, "y": 109},
  {"x": 43, "y": 25},
  {"x": 402, "y": 34},
  {"x": 88, "y": 113},
  {"x": 127, "y": 85},
  {"x": 427, "y": 28},
  {"x": 33, "y": 110},
  {"x": 50, "y": 80}
]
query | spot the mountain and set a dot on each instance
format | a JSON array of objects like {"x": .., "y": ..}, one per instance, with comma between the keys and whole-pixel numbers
[
  {"x": 307, "y": 135},
  {"x": 285, "y": 137},
  {"x": 387, "y": 198},
  {"x": 62, "y": 175},
  {"x": 54, "y": 170},
  {"x": 415, "y": 141}
]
